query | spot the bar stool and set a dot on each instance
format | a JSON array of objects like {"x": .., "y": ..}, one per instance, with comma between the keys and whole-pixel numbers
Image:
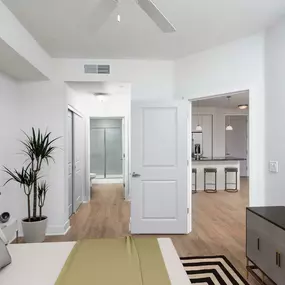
[
  {"x": 210, "y": 170},
  {"x": 194, "y": 171},
  {"x": 231, "y": 170}
]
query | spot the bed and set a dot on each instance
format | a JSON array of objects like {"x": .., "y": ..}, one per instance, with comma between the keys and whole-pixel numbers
[{"x": 47, "y": 260}]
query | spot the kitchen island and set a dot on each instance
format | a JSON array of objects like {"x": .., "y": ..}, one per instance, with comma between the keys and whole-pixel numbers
[{"x": 220, "y": 163}]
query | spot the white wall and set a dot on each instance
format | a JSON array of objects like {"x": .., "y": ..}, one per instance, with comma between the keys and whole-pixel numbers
[
  {"x": 23, "y": 106},
  {"x": 229, "y": 68},
  {"x": 12, "y": 199},
  {"x": 42, "y": 105},
  {"x": 149, "y": 79},
  {"x": 219, "y": 115},
  {"x": 275, "y": 106}
]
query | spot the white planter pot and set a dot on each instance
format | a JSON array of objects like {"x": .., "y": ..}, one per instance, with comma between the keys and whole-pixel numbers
[{"x": 34, "y": 231}]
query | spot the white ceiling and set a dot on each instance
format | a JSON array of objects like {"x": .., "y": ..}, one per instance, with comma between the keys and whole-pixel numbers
[
  {"x": 222, "y": 101},
  {"x": 14, "y": 65},
  {"x": 63, "y": 27},
  {"x": 105, "y": 87}
]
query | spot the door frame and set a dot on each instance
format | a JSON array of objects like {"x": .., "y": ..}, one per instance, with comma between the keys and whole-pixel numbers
[
  {"x": 73, "y": 111},
  {"x": 125, "y": 151},
  {"x": 247, "y": 136},
  {"x": 256, "y": 134}
]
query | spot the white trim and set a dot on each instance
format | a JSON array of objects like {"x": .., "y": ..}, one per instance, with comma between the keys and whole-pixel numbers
[{"x": 72, "y": 109}]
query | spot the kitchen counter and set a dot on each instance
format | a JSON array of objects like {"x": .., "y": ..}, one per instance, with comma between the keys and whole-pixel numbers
[
  {"x": 220, "y": 163},
  {"x": 227, "y": 158}
]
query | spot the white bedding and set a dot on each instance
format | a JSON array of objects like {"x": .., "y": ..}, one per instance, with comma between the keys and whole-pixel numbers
[{"x": 40, "y": 264}]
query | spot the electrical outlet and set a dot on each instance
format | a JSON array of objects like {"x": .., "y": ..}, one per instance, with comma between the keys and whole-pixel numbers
[{"x": 273, "y": 166}]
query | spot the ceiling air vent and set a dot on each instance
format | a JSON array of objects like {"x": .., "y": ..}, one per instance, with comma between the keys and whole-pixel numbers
[{"x": 97, "y": 69}]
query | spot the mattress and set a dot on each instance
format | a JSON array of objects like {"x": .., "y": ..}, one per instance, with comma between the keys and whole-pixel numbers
[{"x": 40, "y": 264}]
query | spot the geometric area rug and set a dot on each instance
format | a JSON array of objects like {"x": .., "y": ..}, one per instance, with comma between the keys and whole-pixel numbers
[{"x": 212, "y": 270}]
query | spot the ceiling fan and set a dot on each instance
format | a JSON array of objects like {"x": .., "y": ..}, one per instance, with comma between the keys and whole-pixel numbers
[{"x": 106, "y": 7}]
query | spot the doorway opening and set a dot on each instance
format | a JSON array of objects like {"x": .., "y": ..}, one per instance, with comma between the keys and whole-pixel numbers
[
  {"x": 107, "y": 151},
  {"x": 220, "y": 161}
]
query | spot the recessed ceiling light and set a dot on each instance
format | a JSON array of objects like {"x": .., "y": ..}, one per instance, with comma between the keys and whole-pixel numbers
[
  {"x": 119, "y": 18},
  {"x": 101, "y": 96},
  {"x": 243, "y": 106}
]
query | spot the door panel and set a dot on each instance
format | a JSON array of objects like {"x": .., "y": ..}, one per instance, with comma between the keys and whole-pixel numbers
[
  {"x": 113, "y": 138},
  {"x": 159, "y": 158},
  {"x": 78, "y": 160},
  {"x": 236, "y": 141},
  {"x": 97, "y": 152},
  {"x": 70, "y": 164},
  {"x": 125, "y": 156}
]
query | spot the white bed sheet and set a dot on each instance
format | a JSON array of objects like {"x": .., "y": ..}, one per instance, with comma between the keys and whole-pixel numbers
[{"x": 40, "y": 264}]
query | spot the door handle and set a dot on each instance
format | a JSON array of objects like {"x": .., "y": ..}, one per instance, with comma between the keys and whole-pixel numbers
[
  {"x": 258, "y": 244},
  {"x": 135, "y": 175},
  {"x": 278, "y": 259}
]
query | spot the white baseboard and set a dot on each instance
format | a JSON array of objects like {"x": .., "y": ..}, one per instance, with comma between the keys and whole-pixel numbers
[
  {"x": 58, "y": 230},
  {"x": 53, "y": 230}
]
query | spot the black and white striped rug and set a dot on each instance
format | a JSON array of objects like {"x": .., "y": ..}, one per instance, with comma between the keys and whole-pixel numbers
[{"x": 212, "y": 270}]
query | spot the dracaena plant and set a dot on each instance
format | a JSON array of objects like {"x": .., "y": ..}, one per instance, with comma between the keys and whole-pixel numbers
[{"x": 38, "y": 148}]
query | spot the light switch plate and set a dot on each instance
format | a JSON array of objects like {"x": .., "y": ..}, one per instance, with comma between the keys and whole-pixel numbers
[{"x": 273, "y": 166}]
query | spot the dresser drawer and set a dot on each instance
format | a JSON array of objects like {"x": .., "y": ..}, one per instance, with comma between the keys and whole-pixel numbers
[
  {"x": 259, "y": 247},
  {"x": 265, "y": 246},
  {"x": 279, "y": 272}
]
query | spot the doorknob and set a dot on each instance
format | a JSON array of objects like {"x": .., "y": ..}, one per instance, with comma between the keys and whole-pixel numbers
[{"x": 135, "y": 174}]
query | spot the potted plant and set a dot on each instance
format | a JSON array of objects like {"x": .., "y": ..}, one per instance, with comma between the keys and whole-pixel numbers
[{"x": 38, "y": 150}]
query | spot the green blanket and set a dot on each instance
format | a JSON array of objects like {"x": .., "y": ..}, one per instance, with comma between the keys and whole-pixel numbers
[{"x": 126, "y": 261}]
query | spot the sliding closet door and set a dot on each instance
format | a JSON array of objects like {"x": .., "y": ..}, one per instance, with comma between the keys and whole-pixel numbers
[
  {"x": 113, "y": 137},
  {"x": 106, "y": 155},
  {"x": 78, "y": 160},
  {"x": 70, "y": 163},
  {"x": 97, "y": 152}
]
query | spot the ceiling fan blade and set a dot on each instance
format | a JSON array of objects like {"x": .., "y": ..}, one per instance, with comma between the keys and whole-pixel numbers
[
  {"x": 102, "y": 12},
  {"x": 153, "y": 12}
]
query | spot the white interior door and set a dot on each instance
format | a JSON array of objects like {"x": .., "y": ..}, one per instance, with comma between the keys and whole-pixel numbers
[
  {"x": 236, "y": 141},
  {"x": 70, "y": 163},
  {"x": 125, "y": 157},
  {"x": 159, "y": 165},
  {"x": 78, "y": 128}
]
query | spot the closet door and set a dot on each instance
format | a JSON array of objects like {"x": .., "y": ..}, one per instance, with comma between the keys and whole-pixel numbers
[
  {"x": 70, "y": 163},
  {"x": 97, "y": 152},
  {"x": 113, "y": 138},
  {"x": 78, "y": 160}
]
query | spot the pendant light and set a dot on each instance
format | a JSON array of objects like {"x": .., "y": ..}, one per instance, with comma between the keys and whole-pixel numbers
[
  {"x": 198, "y": 127},
  {"x": 119, "y": 15},
  {"x": 229, "y": 126}
]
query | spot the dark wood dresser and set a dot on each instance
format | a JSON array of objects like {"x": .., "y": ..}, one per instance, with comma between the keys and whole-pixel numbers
[{"x": 265, "y": 242}]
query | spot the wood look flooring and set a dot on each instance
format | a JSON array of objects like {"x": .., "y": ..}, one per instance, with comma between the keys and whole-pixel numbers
[{"x": 218, "y": 223}]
